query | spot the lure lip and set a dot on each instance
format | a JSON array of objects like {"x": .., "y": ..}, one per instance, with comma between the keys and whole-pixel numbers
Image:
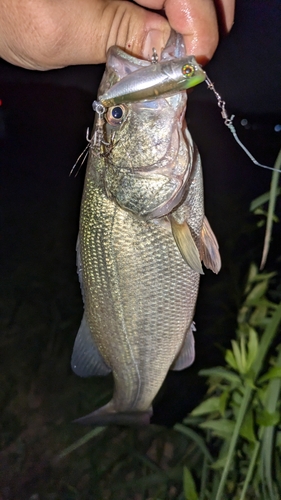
[{"x": 159, "y": 79}]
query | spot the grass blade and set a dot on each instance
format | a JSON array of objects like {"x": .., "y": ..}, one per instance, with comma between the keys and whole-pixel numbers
[
  {"x": 250, "y": 470},
  {"x": 261, "y": 200},
  {"x": 273, "y": 392},
  {"x": 189, "y": 487},
  {"x": 267, "y": 339},
  {"x": 241, "y": 415},
  {"x": 196, "y": 438},
  {"x": 271, "y": 207},
  {"x": 80, "y": 442}
]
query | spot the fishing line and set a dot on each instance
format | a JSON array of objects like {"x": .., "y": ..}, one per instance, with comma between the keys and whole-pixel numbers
[{"x": 229, "y": 123}]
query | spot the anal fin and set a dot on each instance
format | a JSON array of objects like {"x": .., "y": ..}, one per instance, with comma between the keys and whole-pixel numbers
[
  {"x": 86, "y": 359},
  {"x": 186, "y": 355}
]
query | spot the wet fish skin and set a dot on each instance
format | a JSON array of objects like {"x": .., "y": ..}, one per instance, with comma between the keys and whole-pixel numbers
[{"x": 139, "y": 293}]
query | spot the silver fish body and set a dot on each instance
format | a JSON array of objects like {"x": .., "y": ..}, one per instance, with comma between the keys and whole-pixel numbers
[{"x": 142, "y": 237}]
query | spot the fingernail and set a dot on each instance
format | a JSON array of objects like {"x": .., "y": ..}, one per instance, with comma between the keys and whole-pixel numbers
[{"x": 153, "y": 40}]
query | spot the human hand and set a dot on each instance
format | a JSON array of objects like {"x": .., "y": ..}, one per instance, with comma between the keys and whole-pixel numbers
[{"x": 42, "y": 35}]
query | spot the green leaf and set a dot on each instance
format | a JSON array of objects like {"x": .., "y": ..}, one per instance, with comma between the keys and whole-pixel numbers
[
  {"x": 230, "y": 359},
  {"x": 271, "y": 207},
  {"x": 238, "y": 356},
  {"x": 253, "y": 346},
  {"x": 266, "y": 339},
  {"x": 257, "y": 292},
  {"x": 250, "y": 470},
  {"x": 208, "y": 406},
  {"x": 222, "y": 373},
  {"x": 236, "y": 398},
  {"x": 189, "y": 487},
  {"x": 243, "y": 353},
  {"x": 221, "y": 427},
  {"x": 259, "y": 314},
  {"x": 249, "y": 380},
  {"x": 264, "y": 276},
  {"x": 253, "y": 273},
  {"x": 267, "y": 419},
  {"x": 233, "y": 442},
  {"x": 219, "y": 464},
  {"x": 90, "y": 435},
  {"x": 274, "y": 372},
  {"x": 242, "y": 315},
  {"x": 261, "y": 200},
  {"x": 223, "y": 401},
  {"x": 190, "y": 433},
  {"x": 247, "y": 427}
]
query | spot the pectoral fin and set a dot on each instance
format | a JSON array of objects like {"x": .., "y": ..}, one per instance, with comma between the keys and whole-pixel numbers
[
  {"x": 186, "y": 244},
  {"x": 86, "y": 359},
  {"x": 186, "y": 355},
  {"x": 210, "y": 248}
]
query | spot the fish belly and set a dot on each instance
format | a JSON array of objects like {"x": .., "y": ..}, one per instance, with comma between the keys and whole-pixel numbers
[{"x": 139, "y": 296}]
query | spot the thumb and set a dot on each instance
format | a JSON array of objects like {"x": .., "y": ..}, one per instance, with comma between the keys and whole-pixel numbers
[{"x": 46, "y": 35}]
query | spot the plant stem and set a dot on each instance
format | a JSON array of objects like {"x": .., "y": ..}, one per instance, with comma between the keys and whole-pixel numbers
[
  {"x": 250, "y": 470},
  {"x": 271, "y": 207},
  {"x": 203, "y": 479},
  {"x": 273, "y": 392},
  {"x": 243, "y": 409},
  {"x": 266, "y": 340},
  {"x": 80, "y": 442}
]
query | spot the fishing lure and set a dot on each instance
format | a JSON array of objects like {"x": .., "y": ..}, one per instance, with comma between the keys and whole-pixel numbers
[{"x": 154, "y": 80}]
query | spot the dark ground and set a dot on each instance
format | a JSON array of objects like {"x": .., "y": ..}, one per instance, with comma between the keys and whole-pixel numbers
[{"x": 43, "y": 119}]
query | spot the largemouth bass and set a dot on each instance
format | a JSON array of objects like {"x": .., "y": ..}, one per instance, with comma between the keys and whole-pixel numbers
[{"x": 142, "y": 237}]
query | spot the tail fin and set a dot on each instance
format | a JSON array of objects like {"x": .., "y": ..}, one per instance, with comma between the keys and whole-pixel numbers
[{"x": 108, "y": 416}]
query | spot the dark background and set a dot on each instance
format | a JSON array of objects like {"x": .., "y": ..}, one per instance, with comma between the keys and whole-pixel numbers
[{"x": 43, "y": 121}]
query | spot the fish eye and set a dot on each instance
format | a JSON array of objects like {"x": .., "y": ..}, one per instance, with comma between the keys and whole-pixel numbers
[
  {"x": 188, "y": 70},
  {"x": 116, "y": 115}
]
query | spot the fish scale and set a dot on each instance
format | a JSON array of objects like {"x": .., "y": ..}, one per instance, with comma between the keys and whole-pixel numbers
[{"x": 134, "y": 283}]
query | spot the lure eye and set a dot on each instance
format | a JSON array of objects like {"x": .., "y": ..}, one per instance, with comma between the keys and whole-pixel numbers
[
  {"x": 116, "y": 115},
  {"x": 187, "y": 70}
]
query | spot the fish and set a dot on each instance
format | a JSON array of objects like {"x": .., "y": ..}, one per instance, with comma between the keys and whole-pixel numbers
[{"x": 143, "y": 236}]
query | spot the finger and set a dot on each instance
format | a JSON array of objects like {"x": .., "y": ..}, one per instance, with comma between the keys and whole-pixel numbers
[
  {"x": 196, "y": 20},
  {"x": 46, "y": 35},
  {"x": 225, "y": 11},
  {"x": 225, "y": 8}
]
